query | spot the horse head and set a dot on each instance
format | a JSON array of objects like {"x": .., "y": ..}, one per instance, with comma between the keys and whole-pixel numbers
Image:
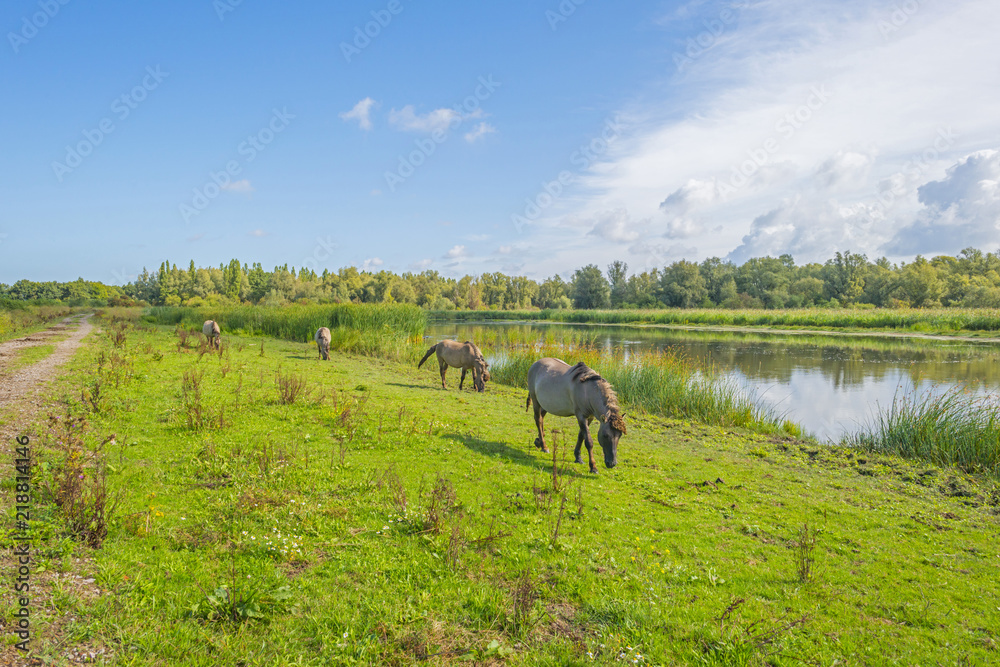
[
  {"x": 480, "y": 373},
  {"x": 612, "y": 428}
]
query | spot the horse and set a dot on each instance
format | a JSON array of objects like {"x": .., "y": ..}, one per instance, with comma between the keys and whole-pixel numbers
[
  {"x": 322, "y": 339},
  {"x": 212, "y": 332},
  {"x": 576, "y": 391},
  {"x": 460, "y": 355}
]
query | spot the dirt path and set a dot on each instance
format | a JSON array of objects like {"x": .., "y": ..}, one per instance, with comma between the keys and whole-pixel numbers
[{"x": 22, "y": 397}]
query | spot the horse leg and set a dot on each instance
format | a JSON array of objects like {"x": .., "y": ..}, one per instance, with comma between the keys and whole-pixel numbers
[
  {"x": 444, "y": 369},
  {"x": 540, "y": 424},
  {"x": 585, "y": 433},
  {"x": 462, "y": 380},
  {"x": 579, "y": 443}
]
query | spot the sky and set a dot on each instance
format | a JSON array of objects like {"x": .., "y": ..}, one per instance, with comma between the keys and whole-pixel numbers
[{"x": 531, "y": 137}]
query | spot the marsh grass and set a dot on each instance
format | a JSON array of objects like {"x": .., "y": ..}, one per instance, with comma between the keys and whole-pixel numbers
[
  {"x": 898, "y": 319},
  {"x": 661, "y": 383},
  {"x": 383, "y": 330},
  {"x": 958, "y": 428}
]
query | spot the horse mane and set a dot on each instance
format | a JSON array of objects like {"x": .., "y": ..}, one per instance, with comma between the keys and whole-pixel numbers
[{"x": 581, "y": 372}]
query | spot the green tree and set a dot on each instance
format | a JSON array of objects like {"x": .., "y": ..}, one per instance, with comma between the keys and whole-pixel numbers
[{"x": 590, "y": 289}]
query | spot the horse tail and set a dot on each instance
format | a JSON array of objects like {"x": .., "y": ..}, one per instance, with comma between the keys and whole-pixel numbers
[
  {"x": 527, "y": 403},
  {"x": 428, "y": 355}
]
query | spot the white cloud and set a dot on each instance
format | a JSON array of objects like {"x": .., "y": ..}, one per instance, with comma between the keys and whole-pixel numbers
[
  {"x": 361, "y": 113},
  {"x": 617, "y": 226},
  {"x": 422, "y": 265},
  {"x": 479, "y": 132},
  {"x": 456, "y": 252},
  {"x": 407, "y": 120},
  {"x": 960, "y": 210},
  {"x": 259, "y": 233},
  {"x": 370, "y": 264},
  {"x": 505, "y": 249},
  {"x": 242, "y": 186},
  {"x": 814, "y": 113}
]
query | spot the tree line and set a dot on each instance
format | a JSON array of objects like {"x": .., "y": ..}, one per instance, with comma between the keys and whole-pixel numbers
[{"x": 970, "y": 279}]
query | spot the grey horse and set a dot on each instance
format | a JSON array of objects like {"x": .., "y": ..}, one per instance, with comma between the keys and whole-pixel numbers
[
  {"x": 460, "y": 355},
  {"x": 212, "y": 333},
  {"x": 576, "y": 391},
  {"x": 322, "y": 339}
]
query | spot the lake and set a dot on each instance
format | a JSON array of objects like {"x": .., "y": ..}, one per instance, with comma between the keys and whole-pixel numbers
[{"x": 828, "y": 384}]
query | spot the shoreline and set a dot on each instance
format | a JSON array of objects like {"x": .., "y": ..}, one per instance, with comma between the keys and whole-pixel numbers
[{"x": 966, "y": 336}]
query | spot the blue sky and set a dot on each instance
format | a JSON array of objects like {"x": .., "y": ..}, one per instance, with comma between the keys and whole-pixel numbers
[{"x": 530, "y": 136}]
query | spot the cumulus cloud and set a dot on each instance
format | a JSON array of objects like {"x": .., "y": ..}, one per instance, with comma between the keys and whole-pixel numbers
[
  {"x": 407, "y": 120},
  {"x": 372, "y": 263},
  {"x": 617, "y": 226},
  {"x": 848, "y": 168},
  {"x": 361, "y": 113},
  {"x": 479, "y": 132},
  {"x": 242, "y": 187},
  {"x": 456, "y": 252},
  {"x": 680, "y": 205},
  {"x": 421, "y": 265},
  {"x": 960, "y": 210}
]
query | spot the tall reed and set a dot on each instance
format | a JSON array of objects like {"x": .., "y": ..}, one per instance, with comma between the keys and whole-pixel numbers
[
  {"x": 657, "y": 382},
  {"x": 957, "y": 428},
  {"x": 372, "y": 329}
]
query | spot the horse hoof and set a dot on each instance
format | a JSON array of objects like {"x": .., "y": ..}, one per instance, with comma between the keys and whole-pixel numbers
[
  {"x": 578, "y": 461},
  {"x": 593, "y": 471},
  {"x": 539, "y": 445}
]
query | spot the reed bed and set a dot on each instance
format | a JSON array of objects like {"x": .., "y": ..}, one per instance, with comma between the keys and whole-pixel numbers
[
  {"x": 957, "y": 428},
  {"x": 894, "y": 319},
  {"x": 370, "y": 329},
  {"x": 660, "y": 383}
]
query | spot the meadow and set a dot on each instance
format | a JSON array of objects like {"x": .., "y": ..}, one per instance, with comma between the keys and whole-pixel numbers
[
  {"x": 980, "y": 321},
  {"x": 257, "y": 506},
  {"x": 17, "y": 319}
]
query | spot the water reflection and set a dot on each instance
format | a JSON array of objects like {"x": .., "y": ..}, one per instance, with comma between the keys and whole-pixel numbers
[{"x": 829, "y": 384}]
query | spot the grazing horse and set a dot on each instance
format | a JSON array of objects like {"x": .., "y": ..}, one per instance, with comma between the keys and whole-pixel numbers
[
  {"x": 460, "y": 355},
  {"x": 576, "y": 391},
  {"x": 322, "y": 339},
  {"x": 212, "y": 333}
]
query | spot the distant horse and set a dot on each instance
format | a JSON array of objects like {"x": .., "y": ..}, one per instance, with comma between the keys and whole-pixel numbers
[
  {"x": 460, "y": 355},
  {"x": 212, "y": 332},
  {"x": 322, "y": 339},
  {"x": 576, "y": 391}
]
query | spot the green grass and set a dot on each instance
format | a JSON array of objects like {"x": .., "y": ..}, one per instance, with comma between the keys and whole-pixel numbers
[
  {"x": 957, "y": 428},
  {"x": 371, "y": 329},
  {"x": 26, "y": 320},
  {"x": 659, "y": 383},
  {"x": 939, "y": 320},
  {"x": 381, "y": 520},
  {"x": 26, "y": 356}
]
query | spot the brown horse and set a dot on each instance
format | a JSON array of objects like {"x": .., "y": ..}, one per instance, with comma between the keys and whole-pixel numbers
[
  {"x": 322, "y": 339},
  {"x": 576, "y": 391},
  {"x": 460, "y": 355},
  {"x": 212, "y": 332}
]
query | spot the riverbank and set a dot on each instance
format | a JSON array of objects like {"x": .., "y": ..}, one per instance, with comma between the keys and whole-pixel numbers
[
  {"x": 979, "y": 325},
  {"x": 351, "y": 511}
]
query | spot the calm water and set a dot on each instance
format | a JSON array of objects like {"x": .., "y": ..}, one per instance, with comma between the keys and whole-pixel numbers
[{"x": 828, "y": 384}]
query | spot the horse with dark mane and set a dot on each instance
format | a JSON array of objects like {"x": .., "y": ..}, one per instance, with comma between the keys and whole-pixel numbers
[
  {"x": 212, "y": 333},
  {"x": 460, "y": 355},
  {"x": 576, "y": 391}
]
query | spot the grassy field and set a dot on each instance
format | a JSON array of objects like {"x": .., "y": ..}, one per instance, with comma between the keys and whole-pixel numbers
[
  {"x": 26, "y": 320},
  {"x": 25, "y": 357},
  {"x": 981, "y": 321},
  {"x": 275, "y": 510}
]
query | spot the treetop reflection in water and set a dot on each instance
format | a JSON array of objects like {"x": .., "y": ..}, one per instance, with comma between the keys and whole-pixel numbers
[{"x": 828, "y": 384}]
